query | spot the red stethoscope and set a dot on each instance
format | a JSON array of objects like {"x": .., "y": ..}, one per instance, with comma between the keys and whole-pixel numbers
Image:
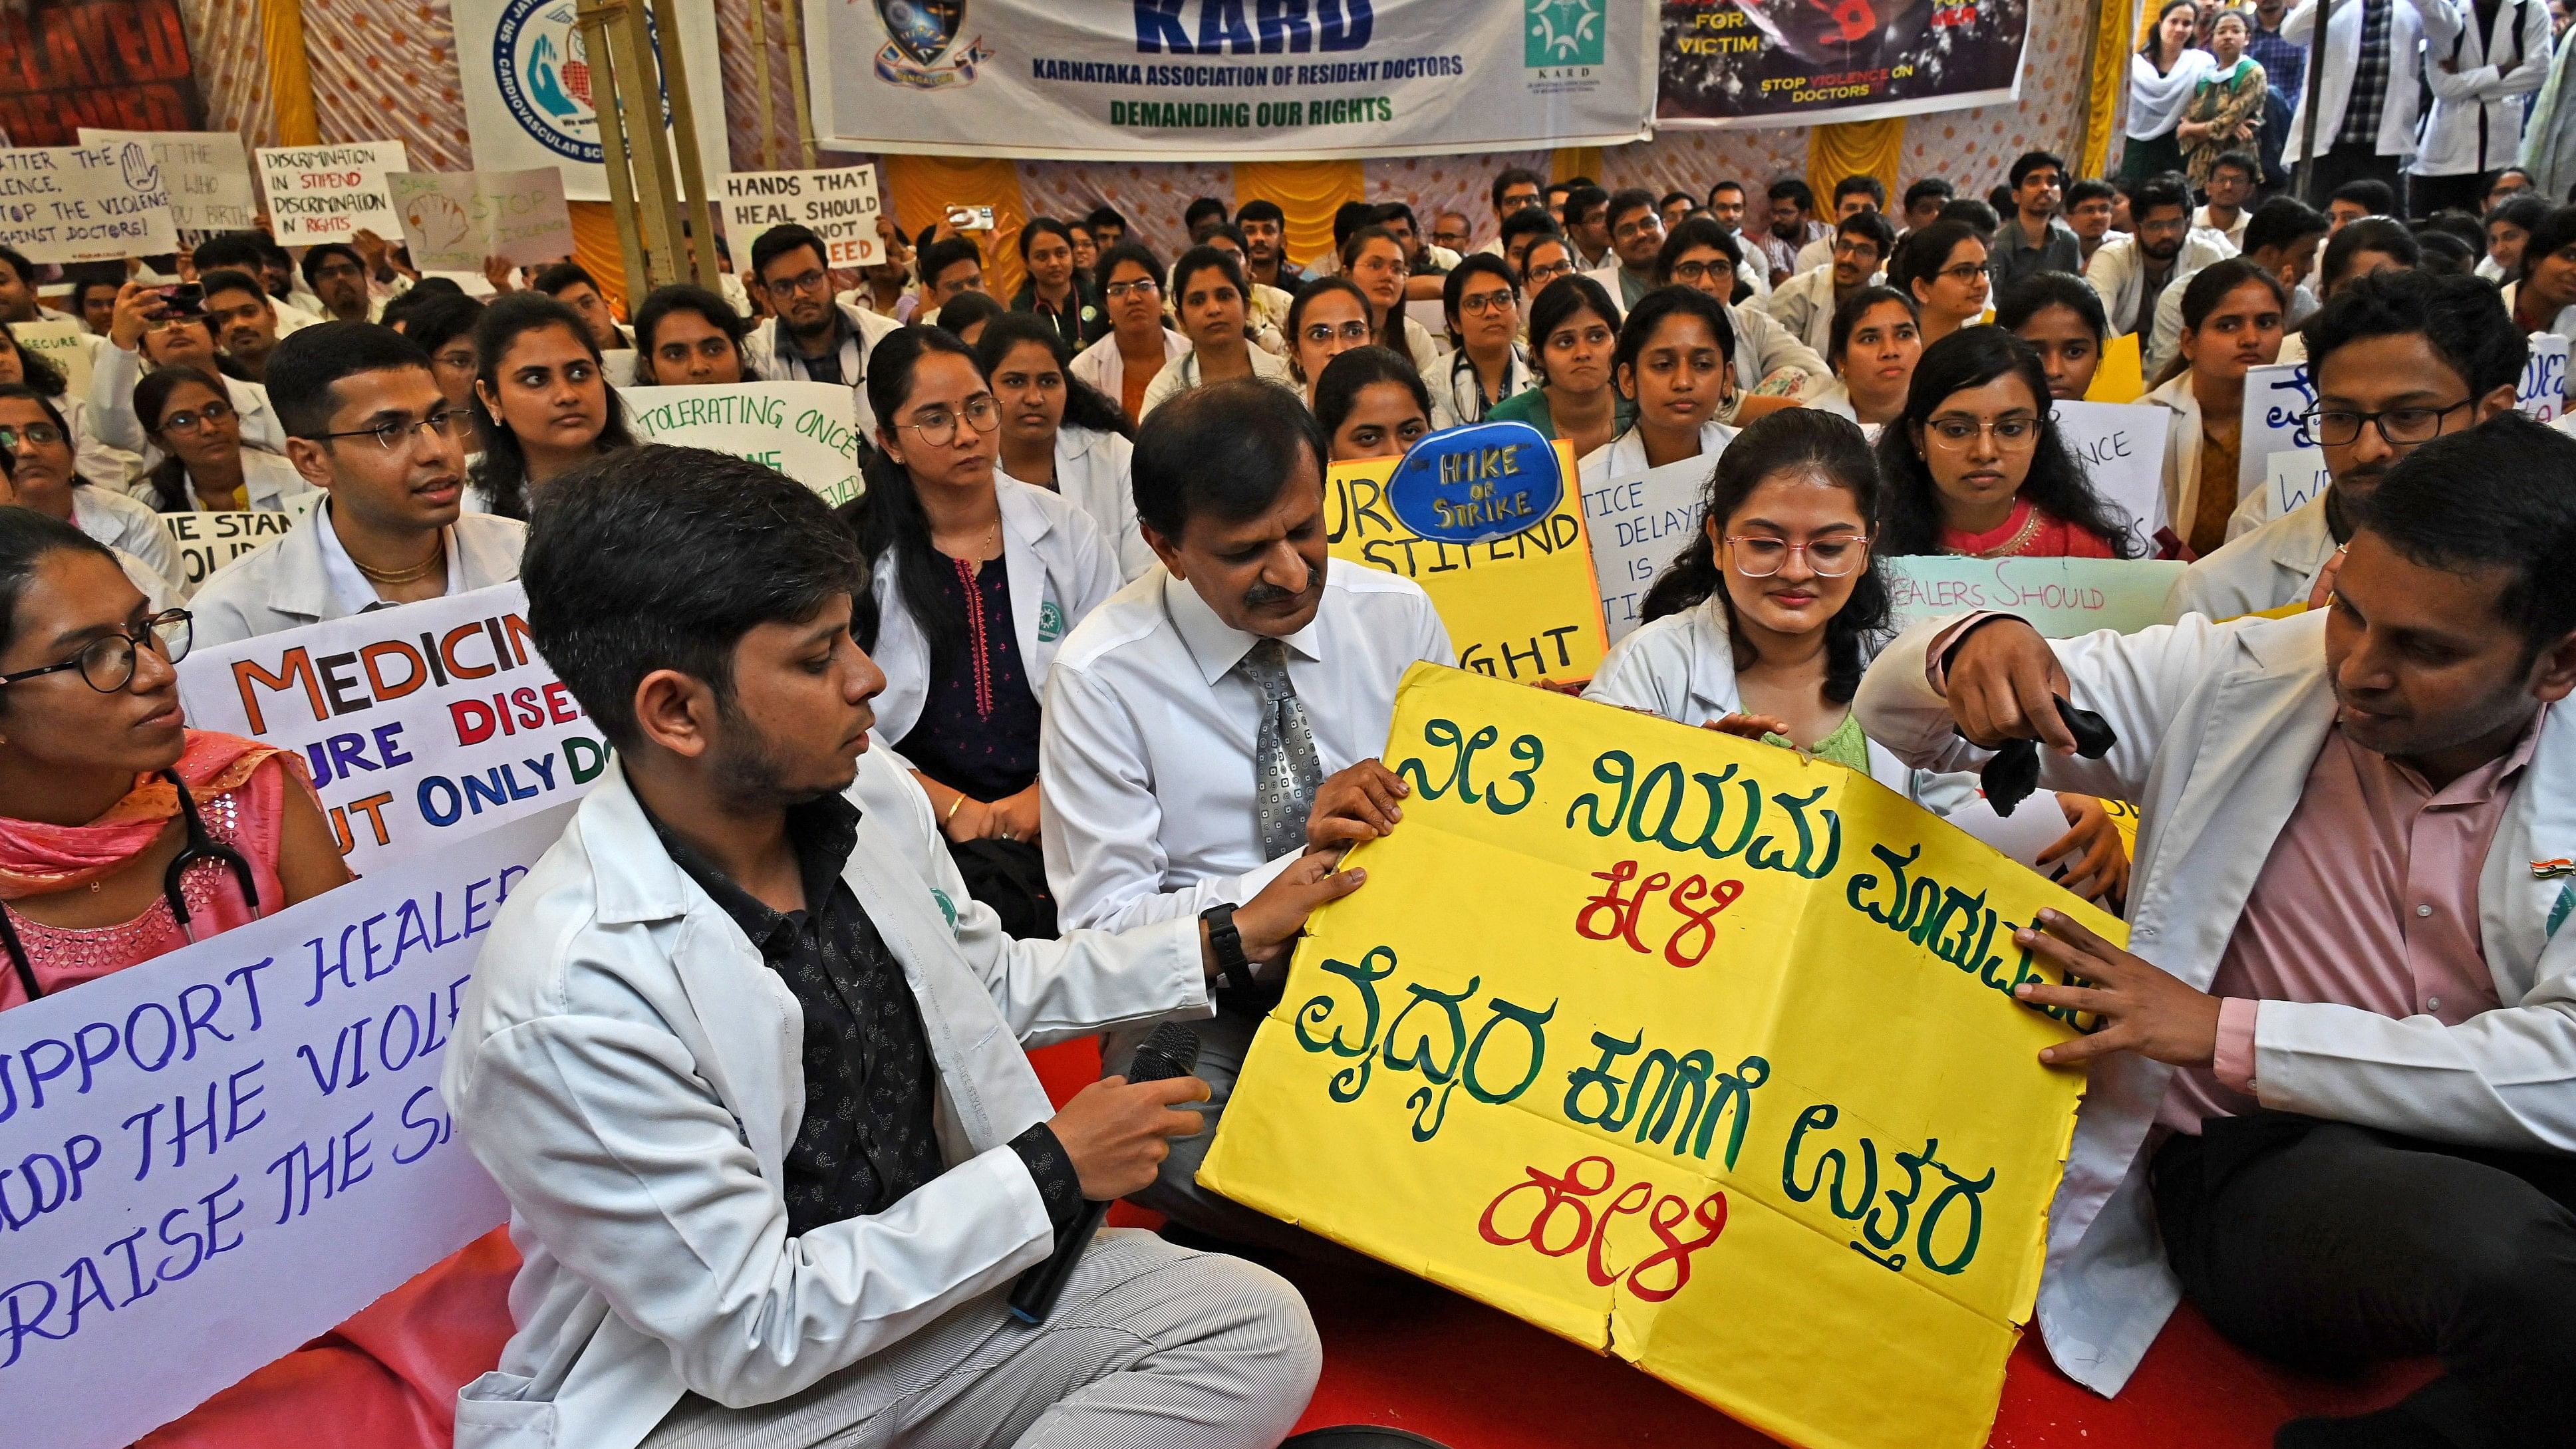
[{"x": 201, "y": 847}]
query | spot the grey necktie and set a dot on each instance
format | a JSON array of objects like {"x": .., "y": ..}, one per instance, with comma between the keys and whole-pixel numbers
[{"x": 1285, "y": 773}]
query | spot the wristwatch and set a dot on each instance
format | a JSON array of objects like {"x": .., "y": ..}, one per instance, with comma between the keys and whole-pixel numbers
[{"x": 1233, "y": 968}]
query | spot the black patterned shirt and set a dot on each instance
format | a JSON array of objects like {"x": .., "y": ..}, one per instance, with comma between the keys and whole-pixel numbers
[
  {"x": 867, "y": 1138},
  {"x": 2369, "y": 79}
]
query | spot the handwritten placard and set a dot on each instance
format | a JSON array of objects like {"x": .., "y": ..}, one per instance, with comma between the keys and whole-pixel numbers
[
  {"x": 208, "y": 541},
  {"x": 1521, "y": 608},
  {"x": 2542, "y": 392},
  {"x": 65, "y": 344},
  {"x": 2122, "y": 448},
  {"x": 1637, "y": 525},
  {"x": 1476, "y": 484},
  {"x": 219, "y": 1154},
  {"x": 421, "y": 723},
  {"x": 840, "y": 205},
  {"x": 331, "y": 193},
  {"x": 453, "y": 220},
  {"x": 2277, "y": 399},
  {"x": 2061, "y": 597},
  {"x": 806, "y": 430},
  {"x": 1716, "y": 1067},
  {"x": 207, "y": 173},
  {"x": 2292, "y": 479},
  {"x": 85, "y": 203}
]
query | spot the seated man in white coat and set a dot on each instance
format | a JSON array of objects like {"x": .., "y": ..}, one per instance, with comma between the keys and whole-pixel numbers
[
  {"x": 1215, "y": 711},
  {"x": 2399, "y": 358},
  {"x": 367, "y": 422},
  {"x": 2338, "y": 1077},
  {"x": 747, "y": 1059}
]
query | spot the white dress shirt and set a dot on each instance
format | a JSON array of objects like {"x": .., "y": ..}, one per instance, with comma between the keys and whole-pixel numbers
[
  {"x": 307, "y": 577},
  {"x": 1146, "y": 754}
]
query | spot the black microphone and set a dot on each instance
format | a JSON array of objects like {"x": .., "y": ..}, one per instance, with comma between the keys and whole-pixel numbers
[{"x": 1171, "y": 1051}]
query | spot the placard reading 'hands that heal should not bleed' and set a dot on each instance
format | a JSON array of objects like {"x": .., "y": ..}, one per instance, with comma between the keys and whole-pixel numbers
[
  {"x": 839, "y": 205},
  {"x": 1687, "y": 1048},
  {"x": 219, "y": 1154},
  {"x": 1520, "y": 608},
  {"x": 421, "y": 723}
]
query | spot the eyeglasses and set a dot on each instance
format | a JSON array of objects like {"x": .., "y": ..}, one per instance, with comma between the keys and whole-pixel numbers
[
  {"x": 2010, "y": 434},
  {"x": 1140, "y": 287},
  {"x": 186, "y": 424},
  {"x": 106, "y": 663},
  {"x": 1395, "y": 265},
  {"x": 1631, "y": 230},
  {"x": 1757, "y": 557},
  {"x": 803, "y": 282},
  {"x": 1965, "y": 273},
  {"x": 1541, "y": 276},
  {"x": 2340, "y": 429},
  {"x": 1691, "y": 274},
  {"x": 43, "y": 435},
  {"x": 1486, "y": 304},
  {"x": 393, "y": 433},
  {"x": 1322, "y": 333},
  {"x": 1851, "y": 246},
  {"x": 938, "y": 426}
]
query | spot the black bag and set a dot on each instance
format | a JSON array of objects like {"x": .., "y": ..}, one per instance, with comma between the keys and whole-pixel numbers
[{"x": 1009, "y": 876}]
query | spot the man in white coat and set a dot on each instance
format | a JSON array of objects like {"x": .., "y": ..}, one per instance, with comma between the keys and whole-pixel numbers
[
  {"x": 367, "y": 422},
  {"x": 2399, "y": 358},
  {"x": 2333, "y": 1092},
  {"x": 810, "y": 336},
  {"x": 746, "y": 1058},
  {"x": 2481, "y": 83},
  {"x": 2365, "y": 121}
]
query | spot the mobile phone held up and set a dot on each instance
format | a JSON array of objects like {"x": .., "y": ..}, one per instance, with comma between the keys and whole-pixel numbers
[
  {"x": 970, "y": 218},
  {"x": 187, "y": 299}
]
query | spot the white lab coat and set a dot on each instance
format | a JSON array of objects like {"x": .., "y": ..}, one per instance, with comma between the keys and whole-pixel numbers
[
  {"x": 1625, "y": 455},
  {"x": 2274, "y": 565},
  {"x": 130, "y": 526},
  {"x": 2182, "y": 448},
  {"x": 1805, "y": 306},
  {"x": 1764, "y": 347},
  {"x": 772, "y": 361},
  {"x": 111, "y": 418},
  {"x": 631, "y": 1074},
  {"x": 2219, "y": 725},
  {"x": 1457, "y": 398},
  {"x": 2119, "y": 277},
  {"x": 2434, "y": 22},
  {"x": 269, "y": 484},
  {"x": 1059, "y": 569},
  {"x": 1092, "y": 472},
  {"x": 284, "y": 583},
  {"x": 1103, "y": 367},
  {"x": 2478, "y": 105}
]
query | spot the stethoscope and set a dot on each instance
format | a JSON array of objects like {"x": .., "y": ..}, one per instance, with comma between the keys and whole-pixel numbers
[{"x": 201, "y": 846}]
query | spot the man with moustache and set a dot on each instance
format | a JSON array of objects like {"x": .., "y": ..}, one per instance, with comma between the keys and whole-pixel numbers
[
  {"x": 1220, "y": 714},
  {"x": 367, "y": 422},
  {"x": 2398, "y": 358},
  {"x": 243, "y": 320},
  {"x": 810, "y": 337},
  {"x": 2160, "y": 251},
  {"x": 1265, "y": 246}
]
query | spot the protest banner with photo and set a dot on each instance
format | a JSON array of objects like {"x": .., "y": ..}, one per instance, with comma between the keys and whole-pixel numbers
[
  {"x": 1637, "y": 524},
  {"x": 207, "y": 541},
  {"x": 422, "y": 723},
  {"x": 331, "y": 193},
  {"x": 67, "y": 64},
  {"x": 1746, "y": 1099},
  {"x": 1521, "y": 608},
  {"x": 1219, "y": 80},
  {"x": 806, "y": 430},
  {"x": 1801, "y": 63},
  {"x": 2061, "y": 597},
  {"x": 219, "y": 1154},
  {"x": 208, "y": 173},
  {"x": 2122, "y": 448},
  {"x": 453, "y": 220},
  {"x": 528, "y": 84},
  {"x": 65, "y": 344},
  {"x": 840, "y": 206},
  {"x": 85, "y": 203}
]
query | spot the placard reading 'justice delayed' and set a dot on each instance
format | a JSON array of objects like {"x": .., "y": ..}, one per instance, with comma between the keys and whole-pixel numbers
[{"x": 1687, "y": 1048}]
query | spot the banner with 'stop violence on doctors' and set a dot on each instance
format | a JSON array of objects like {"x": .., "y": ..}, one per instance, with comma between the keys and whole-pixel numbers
[
  {"x": 1227, "y": 80},
  {"x": 1731, "y": 63},
  {"x": 419, "y": 724},
  {"x": 1690, "y": 1049}
]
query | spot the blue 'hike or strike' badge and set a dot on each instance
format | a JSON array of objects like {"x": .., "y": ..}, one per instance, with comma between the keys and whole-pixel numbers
[{"x": 1477, "y": 484}]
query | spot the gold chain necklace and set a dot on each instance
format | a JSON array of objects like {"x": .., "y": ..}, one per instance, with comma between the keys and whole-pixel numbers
[{"x": 413, "y": 575}]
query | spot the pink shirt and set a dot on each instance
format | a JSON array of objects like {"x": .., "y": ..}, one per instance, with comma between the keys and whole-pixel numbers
[{"x": 2369, "y": 899}]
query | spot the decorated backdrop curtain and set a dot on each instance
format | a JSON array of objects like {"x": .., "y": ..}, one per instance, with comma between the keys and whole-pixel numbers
[
  {"x": 920, "y": 189},
  {"x": 1307, "y": 193},
  {"x": 1855, "y": 148}
]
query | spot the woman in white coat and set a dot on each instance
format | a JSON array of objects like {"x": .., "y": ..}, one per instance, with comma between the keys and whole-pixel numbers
[
  {"x": 2231, "y": 323},
  {"x": 1061, "y": 433},
  {"x": 1675, "y": 362},
  {"x": 977, "y": 578},
  {"x": 1485, "y": 366},
  {"x": 2481, "y": 85},
  {"x": 1762, "y": 626},
  {"x": 1139, "y": 344},
  {"x": 204, "y": 468}
]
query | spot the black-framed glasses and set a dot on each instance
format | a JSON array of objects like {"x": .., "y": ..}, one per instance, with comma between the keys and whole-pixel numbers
[
  {"x": 802, "y": 282},
  {"x": 2397, "y": 426},
  {"x": 1540, "y": 276},
  {"x": 1965, "y": 273},
  {"x": 938, "y": 426},
  {"x": 392, "y": 433},
  {"x": 1485, "y": 304},
  {"x": 106, "y": 663},
  {"x": 187, "y": 423},
  {"x": 1691, "y": 274}
]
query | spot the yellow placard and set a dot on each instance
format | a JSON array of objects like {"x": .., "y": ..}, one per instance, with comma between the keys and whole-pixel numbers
[
  {"x": 1687, "y": 1048},
  {"x": 1522, "y": 608},
  {"x": 2120, "y": 377}
]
